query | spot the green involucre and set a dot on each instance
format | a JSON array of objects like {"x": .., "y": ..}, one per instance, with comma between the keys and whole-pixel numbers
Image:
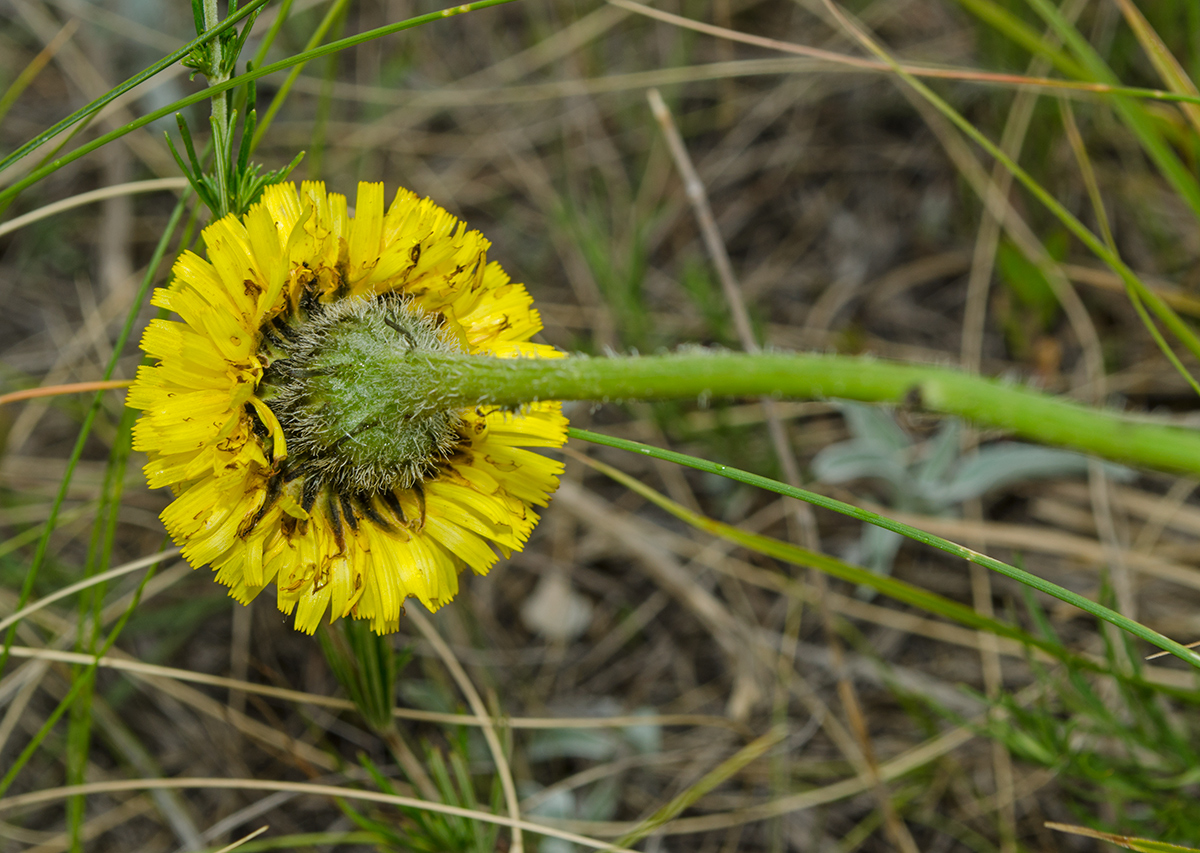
[
  {"x": 348, "y": 415},
  {"x": 455, "y": 380}
]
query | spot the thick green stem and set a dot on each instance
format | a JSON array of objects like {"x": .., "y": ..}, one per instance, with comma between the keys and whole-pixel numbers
[{"x": 446, "y": 380}]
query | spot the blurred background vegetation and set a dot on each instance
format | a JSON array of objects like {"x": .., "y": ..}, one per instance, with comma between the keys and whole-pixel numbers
[{"x": 852, "y": 217}]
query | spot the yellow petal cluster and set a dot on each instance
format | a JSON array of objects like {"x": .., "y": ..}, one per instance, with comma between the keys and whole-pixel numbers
[{"x": 219, "y": 447}]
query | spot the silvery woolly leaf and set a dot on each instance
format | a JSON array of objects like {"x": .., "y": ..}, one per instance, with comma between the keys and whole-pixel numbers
[
  {"x": 875, "y": 426},
  {"x": 851, "y": 460},
  {"x": 941, "y": 453},
  {"x": 602, "y": 801},
  {"x": 879, "y": 548},
  {"x": 645, "y": 738},
  {"x": 876, "y": 550},
  {"x": 561, "y": 805},
  {"x": 593, "y": 744},
  {"x": 1009, "y": 462}
]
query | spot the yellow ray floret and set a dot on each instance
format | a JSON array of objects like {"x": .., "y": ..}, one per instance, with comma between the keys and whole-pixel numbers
[{"x": 247, "y": 500}]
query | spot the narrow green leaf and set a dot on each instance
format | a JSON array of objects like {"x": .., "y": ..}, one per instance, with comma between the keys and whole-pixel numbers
[
  {"x": 1040, "y": 584},
  {"x": 85, "y": 430},
  {"x": 108, "y": 97},
  {"x": 896, "y": 589},
  {"x": 727, "y": 768},
  {"x": 1142, "y": 845},
  {"x": 1133, "y": 113},
  {"x": 205, "y": 94}
]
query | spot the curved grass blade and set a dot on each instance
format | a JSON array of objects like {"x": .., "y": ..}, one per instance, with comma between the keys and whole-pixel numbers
[
  {"x": 234, "y": 82},
  {"x": 894, "y": 588},
  {"x": 1133, "y": 113},
  {"x": 1178, "y": 327},
  {"x": 727, "y": 768},
  {"x": 85, "y": 430},
  {"x": 108, "y": 97},
  {"x": 1141, "y": 845},
  {"x": 1099, "y": 611}
]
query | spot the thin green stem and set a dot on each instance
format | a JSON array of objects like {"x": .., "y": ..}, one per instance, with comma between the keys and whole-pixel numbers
[
  {"x": 108, "y": 97},
  {"x": 43, "y": 544},
  {"x": 449, "y": 380},
  {"x": 1101, "y": 612},
  {"x": 1164, "y": 312},
  {"x": 91, "y": 606},
  {"x": 331, "y": 17},
  {"x": 78, "y": 685},
  {"x": 285, "y": 9},
  {"x": 233, "y": 82}
]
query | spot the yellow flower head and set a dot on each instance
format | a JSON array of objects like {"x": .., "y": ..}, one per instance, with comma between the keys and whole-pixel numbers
[{"x": 262, "y": 419}]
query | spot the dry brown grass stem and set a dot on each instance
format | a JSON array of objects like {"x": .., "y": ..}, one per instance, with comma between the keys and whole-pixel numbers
[
  {"x": 503, "y": 770},
  {"x": 863, "y": 63},
  {"x": 60, "y": 390},
  {"x": 91, "y": 197},
  {"x": 47, "y": 795},
  {"x": 123, "y": 663},
  {"x": 103, "y": 577},
  {"x": 249, "y": 837}
]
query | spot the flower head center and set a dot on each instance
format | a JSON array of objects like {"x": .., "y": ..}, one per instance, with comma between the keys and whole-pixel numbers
[{"x": 331, "y": 386}]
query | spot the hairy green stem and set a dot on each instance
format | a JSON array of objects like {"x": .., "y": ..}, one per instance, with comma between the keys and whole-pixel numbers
[
  {"x": 222, "y": 132},
  {"x": 446, "y": 380}
]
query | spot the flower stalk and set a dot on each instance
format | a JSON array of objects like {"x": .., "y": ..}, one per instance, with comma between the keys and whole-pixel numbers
[{"x": 450, "y": 380}]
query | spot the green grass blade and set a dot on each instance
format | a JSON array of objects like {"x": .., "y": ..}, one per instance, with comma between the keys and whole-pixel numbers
[
  {"x": 894, "y": 588},
  {"x": 1185, "y": 334},
  {"x": 1101, "y": 612},
  {"x": 1141, "y": 845},
  {"x": 335, "y": 11},
  {"x": 85, "y": 430},
  {"x": 91, "y": 604},
  {"x": 233, "y": 82},
  {"x": 285, "y": 10},
  {"x": 108, "y": 97},
  {"x": 1005, "y": 22},
  {"x": 304, "y": 841},
  {"x": 1165, "y": 63},
  {"x": 30, "y": 72},
  {"x": 727, "y": 768},
  {"x": 78, "y": 686},
  {"x": 1133, "y": 113}
]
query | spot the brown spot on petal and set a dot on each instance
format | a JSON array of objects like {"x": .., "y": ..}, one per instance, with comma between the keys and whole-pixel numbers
[{"x": 506, "y": 467}]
